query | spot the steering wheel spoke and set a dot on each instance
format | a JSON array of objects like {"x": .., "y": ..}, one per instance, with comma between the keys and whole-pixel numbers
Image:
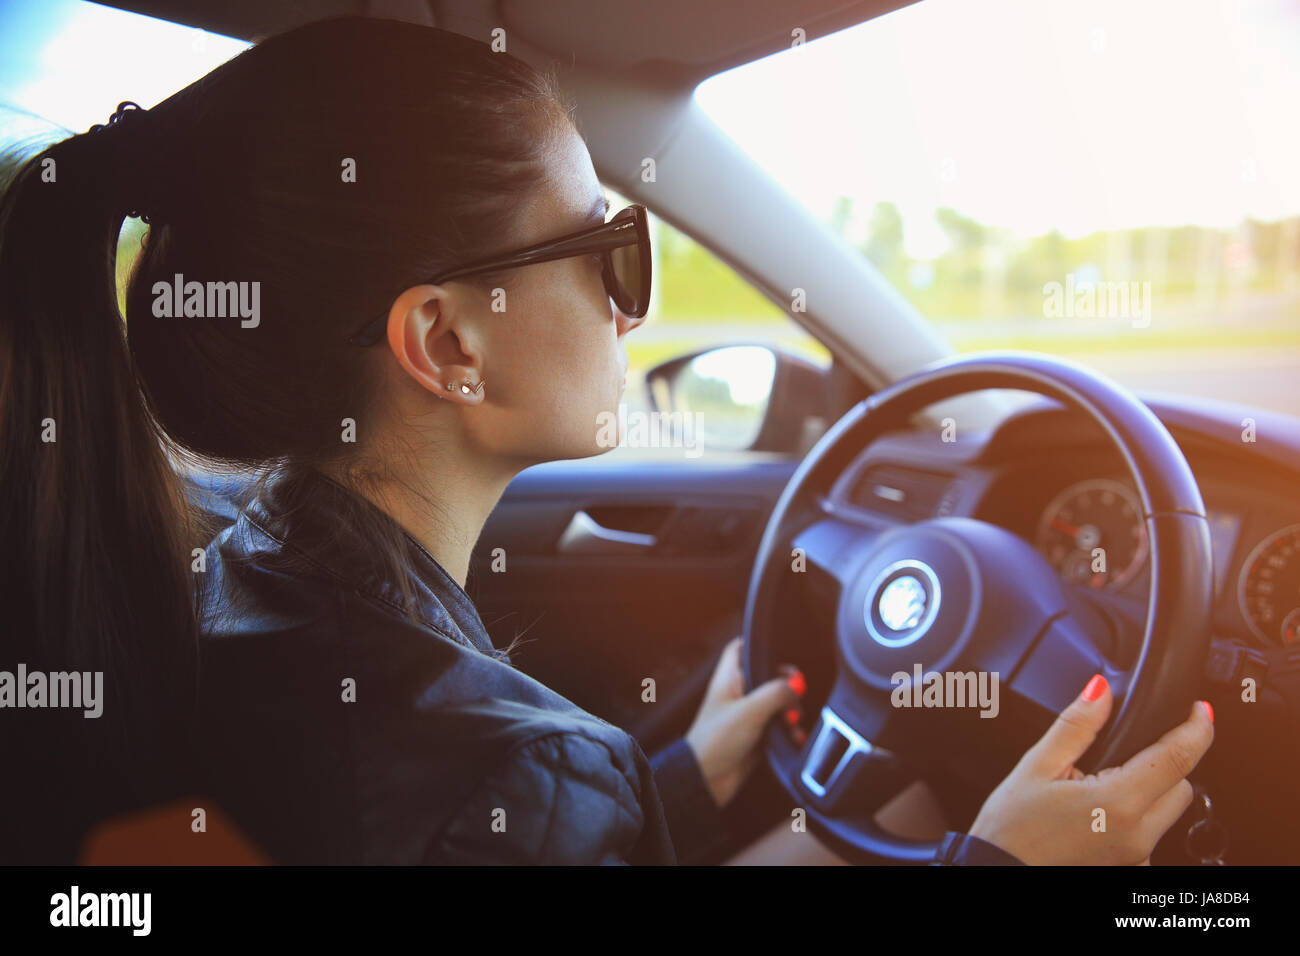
[
  {"x": 1058, "y": 665},
  {"x": 831, "y": 548},
  {"x": 841, "y": 770}
]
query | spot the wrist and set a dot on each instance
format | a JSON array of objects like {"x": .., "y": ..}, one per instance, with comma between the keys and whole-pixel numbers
[{"x": 967, "y": 849}]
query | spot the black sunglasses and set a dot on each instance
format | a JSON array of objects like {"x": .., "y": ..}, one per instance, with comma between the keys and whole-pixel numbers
[{"x": 623, "y": 244}]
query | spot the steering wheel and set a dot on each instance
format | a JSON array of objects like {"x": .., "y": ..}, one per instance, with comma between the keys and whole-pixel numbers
[{"x": 956, "y": 596}]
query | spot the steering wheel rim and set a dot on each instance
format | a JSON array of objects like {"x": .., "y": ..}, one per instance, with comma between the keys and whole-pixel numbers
[{"x": 1165, "y": 676}]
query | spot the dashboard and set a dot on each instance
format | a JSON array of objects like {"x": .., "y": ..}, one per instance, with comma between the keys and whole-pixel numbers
[{"x": 1050, "y": 476}]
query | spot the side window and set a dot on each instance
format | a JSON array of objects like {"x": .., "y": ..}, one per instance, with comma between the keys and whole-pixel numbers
[
  {"x": 697, "y": 302},
  {"x": 129, "y": 244}
]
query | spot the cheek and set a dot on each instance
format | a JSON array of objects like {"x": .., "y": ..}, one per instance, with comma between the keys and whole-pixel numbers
[
  {"x": 569, "y": 339},
  {"x": 558, "y": 368}
]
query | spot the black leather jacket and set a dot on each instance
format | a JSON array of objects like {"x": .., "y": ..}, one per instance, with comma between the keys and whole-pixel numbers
[{"x": 335, "y": 730}]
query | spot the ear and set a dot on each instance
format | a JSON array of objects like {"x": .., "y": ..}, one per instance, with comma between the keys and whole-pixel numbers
[{"x": 423, "y": 336}]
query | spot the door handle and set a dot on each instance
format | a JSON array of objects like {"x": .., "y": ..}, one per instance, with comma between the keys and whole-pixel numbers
[{"x": 584, "y": 535}]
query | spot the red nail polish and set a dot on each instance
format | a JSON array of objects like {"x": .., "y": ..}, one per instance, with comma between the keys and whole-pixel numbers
[
  {"x": 1096, "y": 687},
  {"x": 797, "y": 683},
  {"x": 792, "y": 717},
  {"x": 1209, "y": 711}
]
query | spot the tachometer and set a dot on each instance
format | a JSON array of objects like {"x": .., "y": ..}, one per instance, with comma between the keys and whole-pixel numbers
[
  {"x": 1269, "y": 588},
  {"x": 1093, "y": 534}
]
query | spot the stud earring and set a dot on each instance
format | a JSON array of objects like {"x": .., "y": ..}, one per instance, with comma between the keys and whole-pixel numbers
[{"x": 465, "y": 388}]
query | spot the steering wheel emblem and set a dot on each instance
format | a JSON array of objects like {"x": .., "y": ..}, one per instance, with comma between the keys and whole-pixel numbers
[{"x": 901, "y": 603}]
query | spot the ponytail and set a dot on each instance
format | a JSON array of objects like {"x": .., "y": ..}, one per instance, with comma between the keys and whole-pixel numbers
[{"x": 94, "y": 575}]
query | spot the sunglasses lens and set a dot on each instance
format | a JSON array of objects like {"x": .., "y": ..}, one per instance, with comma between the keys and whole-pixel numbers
[
  {"x": 629, "y": 268},
  {"x": 626, "y": 263}
]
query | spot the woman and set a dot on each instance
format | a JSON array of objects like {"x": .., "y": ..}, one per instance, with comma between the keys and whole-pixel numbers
[{"x": 328, "y": 293}]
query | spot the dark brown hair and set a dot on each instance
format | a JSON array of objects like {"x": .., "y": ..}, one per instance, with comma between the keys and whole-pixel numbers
[{"x": 241, "y": 176}]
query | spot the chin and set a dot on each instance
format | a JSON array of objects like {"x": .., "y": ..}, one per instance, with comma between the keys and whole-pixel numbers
[
  {"x": 572, "y": 454},
  {"x": 589, "y": 444}
]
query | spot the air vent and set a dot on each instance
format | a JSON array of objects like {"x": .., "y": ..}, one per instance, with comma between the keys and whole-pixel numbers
[{"x": 906, "y": 493}]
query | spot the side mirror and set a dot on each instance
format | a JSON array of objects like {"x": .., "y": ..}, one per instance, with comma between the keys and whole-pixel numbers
[{"x": 743, "y": 397}]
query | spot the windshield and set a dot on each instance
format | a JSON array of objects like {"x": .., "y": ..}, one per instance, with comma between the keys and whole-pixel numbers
[{"x": 1111, "y": 182}]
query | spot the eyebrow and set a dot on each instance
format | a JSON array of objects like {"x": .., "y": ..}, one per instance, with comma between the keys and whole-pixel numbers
[{"x": 599, "y": 209}]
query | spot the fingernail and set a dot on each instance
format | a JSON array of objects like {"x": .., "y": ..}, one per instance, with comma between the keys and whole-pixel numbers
[
  {"x": 797, "y": 683},
  {"x": 1209, "y": 711},
  {"x": 792, "y": 717},
  {"x": 1096, "y": 687}
]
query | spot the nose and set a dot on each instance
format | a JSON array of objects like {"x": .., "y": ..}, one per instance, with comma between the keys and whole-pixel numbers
[{"x": 624, "y": 323}]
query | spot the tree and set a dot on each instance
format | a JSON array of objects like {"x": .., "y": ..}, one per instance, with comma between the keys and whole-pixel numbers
[{"x": 884, "y": 244}]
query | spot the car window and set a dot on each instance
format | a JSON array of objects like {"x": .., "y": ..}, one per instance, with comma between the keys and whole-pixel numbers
[
  {"x": 697, "y": 302},
  {"x": 1108, "y": 181},
  {"x": 49, "y": 47}
]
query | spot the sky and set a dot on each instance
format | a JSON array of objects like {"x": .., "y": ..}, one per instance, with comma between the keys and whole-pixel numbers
[
  {"x": 1032, "y": 115},
  {"x": 1077, "y": 115}
]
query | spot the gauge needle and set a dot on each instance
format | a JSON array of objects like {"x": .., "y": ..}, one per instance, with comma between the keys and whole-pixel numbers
[{"x": 1069, "y": 529}]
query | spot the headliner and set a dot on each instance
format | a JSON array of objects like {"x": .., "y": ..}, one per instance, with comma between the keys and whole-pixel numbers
[{"x": 677, "y": 43}]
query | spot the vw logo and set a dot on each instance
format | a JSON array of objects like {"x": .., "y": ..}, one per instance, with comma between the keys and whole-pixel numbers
[{"x": 901, "y": 603}]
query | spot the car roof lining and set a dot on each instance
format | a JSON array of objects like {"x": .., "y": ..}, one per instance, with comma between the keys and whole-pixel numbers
[{"x": 678, "y": 43}]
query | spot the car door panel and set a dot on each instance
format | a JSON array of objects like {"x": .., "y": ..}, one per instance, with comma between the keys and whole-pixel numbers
[{"x": 618, "y": 574}]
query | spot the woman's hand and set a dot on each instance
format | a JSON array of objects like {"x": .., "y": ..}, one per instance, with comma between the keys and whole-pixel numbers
[
  {"x": 727, "y": 730},
  {"x": 1046, "y": 810}
]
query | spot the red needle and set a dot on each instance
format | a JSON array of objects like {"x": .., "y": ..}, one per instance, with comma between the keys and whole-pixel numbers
[{"x": 1060, "y": 525}]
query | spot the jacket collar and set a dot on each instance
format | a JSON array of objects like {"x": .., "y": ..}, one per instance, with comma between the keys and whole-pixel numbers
[{"x": 319, "y": 520}]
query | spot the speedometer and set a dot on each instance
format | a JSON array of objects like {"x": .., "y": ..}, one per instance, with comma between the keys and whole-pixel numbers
[
  {"x": 1093, "y": 534},
  {"x": 1269, "y": 588}
]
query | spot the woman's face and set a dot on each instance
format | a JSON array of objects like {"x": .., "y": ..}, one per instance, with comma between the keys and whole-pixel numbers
[{"x": 552, "y": 362}]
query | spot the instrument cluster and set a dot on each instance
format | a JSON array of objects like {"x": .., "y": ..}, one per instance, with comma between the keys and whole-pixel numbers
[{"x": 1092, "y": 532}]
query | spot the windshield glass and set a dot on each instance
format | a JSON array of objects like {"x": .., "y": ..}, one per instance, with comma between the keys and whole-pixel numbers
[{"x": 1111, "y": 182}]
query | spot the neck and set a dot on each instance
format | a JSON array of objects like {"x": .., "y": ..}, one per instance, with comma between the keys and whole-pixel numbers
[
  {"x": 447, "y": 521},
  {"x": 445, "y": 510}
]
